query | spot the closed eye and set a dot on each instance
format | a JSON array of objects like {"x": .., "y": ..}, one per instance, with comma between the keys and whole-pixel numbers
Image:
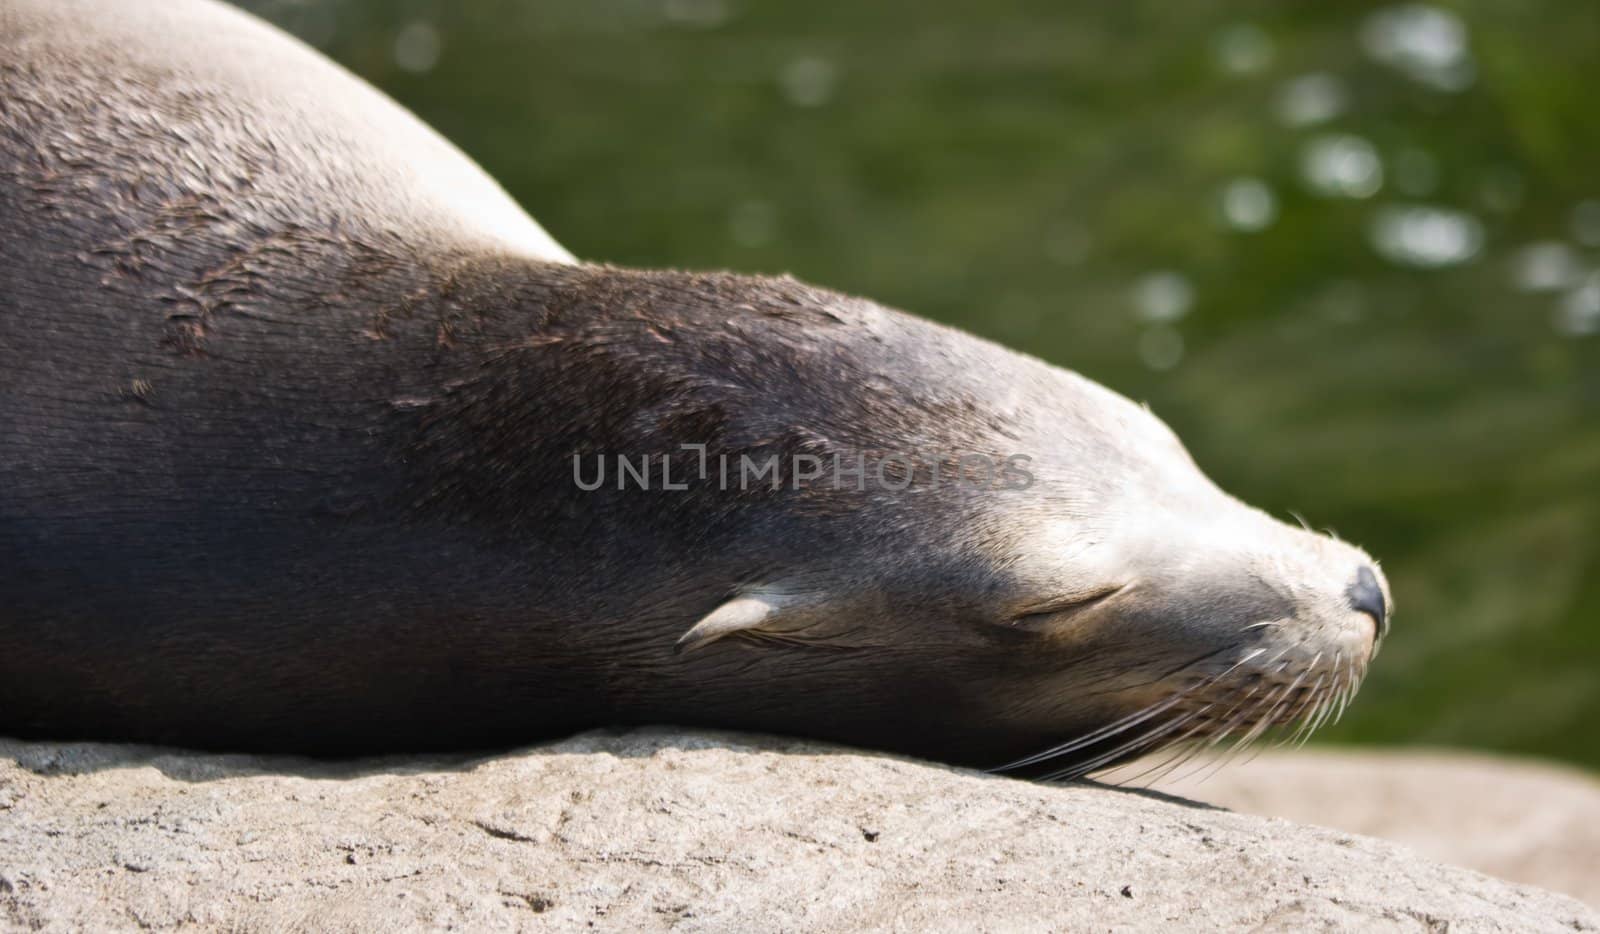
[{"x": 1036, "y": 617}]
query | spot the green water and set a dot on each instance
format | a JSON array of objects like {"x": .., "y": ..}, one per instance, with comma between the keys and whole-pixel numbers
[{"x": 1351, "y": 252}]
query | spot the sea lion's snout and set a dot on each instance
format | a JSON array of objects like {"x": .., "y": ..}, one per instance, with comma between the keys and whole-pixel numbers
[
  {"x": 1288, "y": 627},
  {"x": 1342, "y": 602},
  {"x": 1212, "y": 651},
  {"x": 1366, "y": 596}
]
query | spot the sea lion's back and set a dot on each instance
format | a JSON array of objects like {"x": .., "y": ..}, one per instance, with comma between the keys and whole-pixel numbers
[
  {"x": 203, "y": 222},
  {"x": 168, "y": 118}
]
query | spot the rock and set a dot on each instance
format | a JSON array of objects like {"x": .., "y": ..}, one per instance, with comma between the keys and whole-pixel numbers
[
  {"x": 1525, "y": 821},
  {"x": 695, "y": 831}
]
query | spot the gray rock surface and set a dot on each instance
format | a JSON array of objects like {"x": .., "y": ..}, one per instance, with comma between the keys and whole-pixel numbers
[
  {"x": 1525, "y": 821},
  {"x": 694, "y": 831}
]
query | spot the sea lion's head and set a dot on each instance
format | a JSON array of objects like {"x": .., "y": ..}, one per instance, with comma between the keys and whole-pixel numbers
[
  {"x": 1149, "y": 607},
  {"x": 964, "y": 553}
]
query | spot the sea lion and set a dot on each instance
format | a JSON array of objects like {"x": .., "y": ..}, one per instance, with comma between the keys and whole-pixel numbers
[{"x": 311, "y": 440}]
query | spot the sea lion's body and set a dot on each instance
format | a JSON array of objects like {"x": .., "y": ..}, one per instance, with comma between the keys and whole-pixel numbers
[
  {"x": 213, "y": 282},
  {"x": 289, "y": 397}
]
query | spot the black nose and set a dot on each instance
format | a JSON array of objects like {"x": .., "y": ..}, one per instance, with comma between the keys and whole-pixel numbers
[{"x": 1366, "y": 596}]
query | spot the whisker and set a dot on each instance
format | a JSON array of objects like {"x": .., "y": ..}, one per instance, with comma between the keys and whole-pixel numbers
[
  {"x": 1078, "y": 770},
  {"x": 1332, "y": 697},
  {"x": 1240, "y": 744},
  {"x": 1288, "y": 699},
  {"x": 1175, "y": 745},
  {"x": 1285, "y": 711},
  {"x": 1265, "y": 722},
  {"x": 1203, "y": 772},
  {"x": 1130, "y": 721},
  {"x": 1106, "y": 732},
  {"x": 1182, "y": 753},
  {"x": 1232, "y": 719},
  {"x": 1149, "y": 737},
  {"x": 1313, "y": 697}
]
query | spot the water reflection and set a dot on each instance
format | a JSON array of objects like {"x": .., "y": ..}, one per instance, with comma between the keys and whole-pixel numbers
[
  {"x": 809, "y": 81},
  {"x": 1579, "y": 312},
  {"x": 1161, "y": 297},
  {"x": 696, "y": 14},
  {"x": 1341, "y": 166},
  {"x": 1424, "y": 236},
  {"x": 1249, "y": 205},
  {"x": 1243, "y": 48},
  {"x": 1311, "y": 99},
  {"x": 1161, "y": 347},
  {"x": 1545, "y": 266},
  {"x": 416, "y": 48},
  {"x": 1586, "y": 223},
  {"x": 1427, "y": 43}
]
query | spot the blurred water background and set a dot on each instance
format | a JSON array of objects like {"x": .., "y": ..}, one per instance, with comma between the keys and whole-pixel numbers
[{"x": 1351, "y": 252}]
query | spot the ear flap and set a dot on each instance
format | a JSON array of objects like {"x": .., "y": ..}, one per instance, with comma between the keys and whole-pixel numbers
[{"x": 759, "y": 610}]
